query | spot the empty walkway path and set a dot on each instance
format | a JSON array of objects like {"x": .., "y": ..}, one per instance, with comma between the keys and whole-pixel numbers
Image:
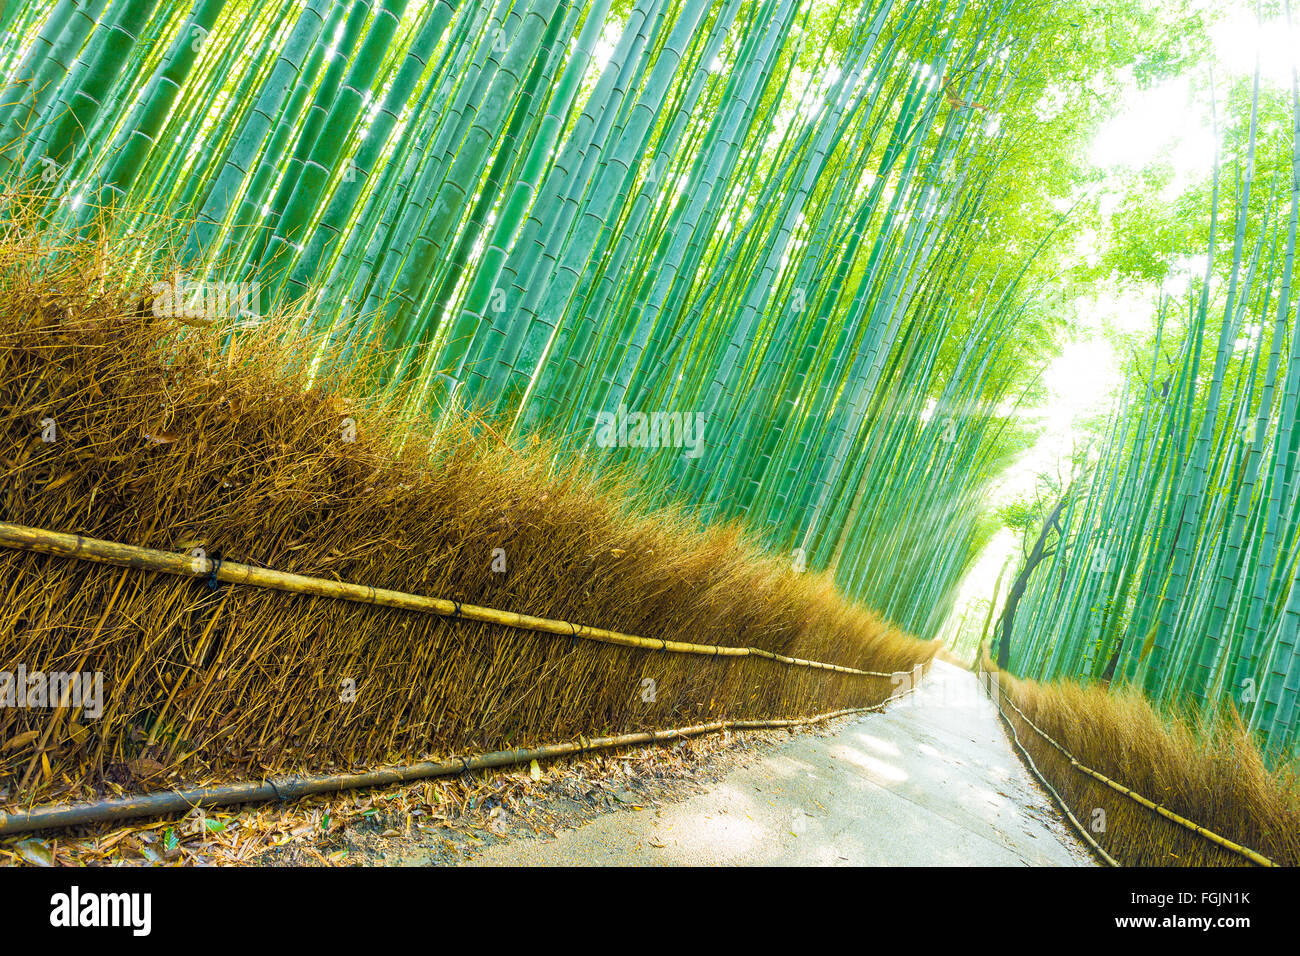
[{"x": 932, "y": 781}]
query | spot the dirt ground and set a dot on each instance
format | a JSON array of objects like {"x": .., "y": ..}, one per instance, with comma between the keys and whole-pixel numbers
[{"x": 445, "y": 821}]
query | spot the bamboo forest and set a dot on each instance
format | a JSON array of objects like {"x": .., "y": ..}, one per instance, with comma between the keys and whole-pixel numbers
[{"x": 437, "y": 430}]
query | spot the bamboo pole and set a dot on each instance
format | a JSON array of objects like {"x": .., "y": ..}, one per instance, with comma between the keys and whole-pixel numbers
[
  {"x": 129, "y": 556},
  {"x": 1060, "y": 801},
  {"x": 295, "y": 786}
]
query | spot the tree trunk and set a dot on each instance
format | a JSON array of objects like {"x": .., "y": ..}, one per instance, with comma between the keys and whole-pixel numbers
[{"x": 1022, "y": 581}]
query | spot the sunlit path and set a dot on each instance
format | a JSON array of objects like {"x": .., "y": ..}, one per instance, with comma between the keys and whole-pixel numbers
[{"x": 931, "y": 782}]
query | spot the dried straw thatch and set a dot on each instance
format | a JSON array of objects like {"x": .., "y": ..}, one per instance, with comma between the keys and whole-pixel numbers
[
  {"x": 163, "y": 439},
  {"x": 1212, "y": 775}
]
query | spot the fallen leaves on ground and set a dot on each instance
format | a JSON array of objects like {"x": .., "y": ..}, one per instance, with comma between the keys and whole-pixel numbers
[{"x": 364, "y": 827}]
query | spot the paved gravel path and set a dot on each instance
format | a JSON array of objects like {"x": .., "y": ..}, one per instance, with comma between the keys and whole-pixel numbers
[{"x": 931, "y": 782}]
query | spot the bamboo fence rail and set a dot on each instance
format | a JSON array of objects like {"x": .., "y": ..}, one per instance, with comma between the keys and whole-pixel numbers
[
  {"x": 129, "y": 556},
  {"x": 1257, "y": 858},
  {"x": 294, "y": 787}
]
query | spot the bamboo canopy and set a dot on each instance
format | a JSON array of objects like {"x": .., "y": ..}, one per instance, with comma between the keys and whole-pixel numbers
[{"x": 1176, "y": 568}]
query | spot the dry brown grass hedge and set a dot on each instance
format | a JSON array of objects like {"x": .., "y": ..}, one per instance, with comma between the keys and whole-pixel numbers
[
  {"x": 165, "y": 440},
  {"x": 1212, "y": 775}
]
